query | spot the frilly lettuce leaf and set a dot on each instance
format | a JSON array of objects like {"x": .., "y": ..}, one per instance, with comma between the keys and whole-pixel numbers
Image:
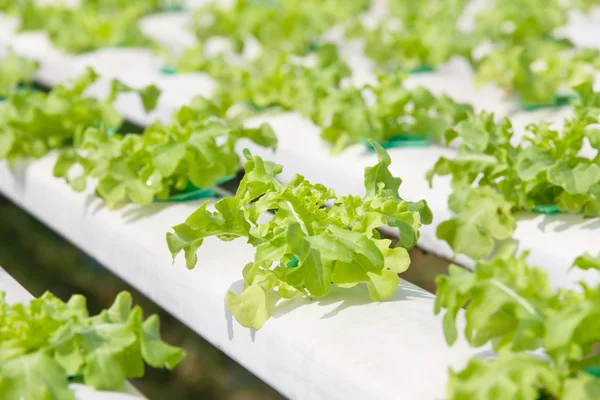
[
  {"x": 46, "y": 341},
  {"x": 283, "y": 25},
  {"x": 492, "y": 178},
  {"x": 196, "y": 149},
  {"x": 588, "y": 261},
  {"x": 276, "y": 79},
  {"x": 513, "y": 307},
  {"x": 90, "y": 25},
  {"x": 32, "y": 123},
  {"x": 347, "y": 117},
  {"x": 538, "y": 70},
  {"x": 15, "y": 70},
  {"x": 508, "y": 377},
  {"x": 514, "y": 22},
  {"x": 414, "y": 35},
  {"x": 313, "y": 240}
]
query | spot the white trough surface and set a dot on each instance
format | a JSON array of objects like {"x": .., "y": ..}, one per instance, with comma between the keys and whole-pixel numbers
[
  {"x": 15, "y": 293},
  {"x": 341, "y": 347},
  {"x": 554, "y": 241}
]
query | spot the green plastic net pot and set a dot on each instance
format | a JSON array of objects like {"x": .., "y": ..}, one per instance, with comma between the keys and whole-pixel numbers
[
  {"x": 192, "y": 192},
  {"x": 559, "y": 101},
  {"x": 400, "y": 141}
]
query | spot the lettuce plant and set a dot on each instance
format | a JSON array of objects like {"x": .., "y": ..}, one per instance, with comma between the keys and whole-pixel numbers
[
  {"x": 312, "y": 240},
  {"x": 15, "y": 70},
  {"x": 284, "y": 25},
  {"x": 493, "y": 179},
  {"x": 511, "y": 306},
  {"x": 195, "y": 151},
  {"x": 33, "y": 122},
  {"x": 538, "y": 71},
  {"x": 514, "y": 22},
  {"x": 276, "y": 79},
  {"x": 346, "y": 116},
  {"x": 415, "y": 35},
  {"x": 46, "y": 341},
  {"x": 91, "y": 25}
]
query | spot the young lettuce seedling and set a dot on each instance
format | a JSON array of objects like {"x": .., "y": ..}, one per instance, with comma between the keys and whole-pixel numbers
[
  {"x": 46, "y": 342},
  {"x": 14, "y": 71},
  {"x": 314, "y": 239},
  {"x": 493, "y": 179},
  {"x": 193, "y": 153},
  {"x": 32, "y": 123},
  {"x": 512, "y": 306}
]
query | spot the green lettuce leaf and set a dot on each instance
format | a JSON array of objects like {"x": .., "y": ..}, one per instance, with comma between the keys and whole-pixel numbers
[
  {"x": 492, "y": 178},
  {"x": 347, "y": 118},
  {"x": 15, "y": 70},
  {"x": 282, "y": 25},
  {"x": 538, "y": 70},
  {"x": 508, "y": 377},
  {"x": 45, "y": 341},
  {"x": 312, "y": 240},
  {"x": 195, "y": 151},
  {"x": 32, "y": 123},
  {"x": 415, "y": 35},
  {"x": 512, "y": 306},
  {"x": 514, "y": 22},
  {"x": 89, "y": 25}
]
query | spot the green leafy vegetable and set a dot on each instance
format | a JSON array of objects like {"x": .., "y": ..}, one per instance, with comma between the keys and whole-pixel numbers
[
  {"x": 32, "y": 123},
  {"x": 283, "y": 25},
  {"x": 196, "y": 149},
  {"x": 90, "y": 25},
  {"x": 415, "y": 34},
  {"x": 9, "y": 6},
  {"x": 315, "y": 88},
  {"x": 514, "y": 22},
  {"x": 277, "y": 80},
  {"x": 307, "y": 245},
  {"x": 492, "y": 178},
  {"x": 526, "y": 58},
  {"x": 512, "y": 306},
  {"x": 15, "y": 70},
  {"x": 586, "y": 262},
  {"x": 539, "y": 70},
  {"x": 347, "y": 117},
  {"x": 509, "y": 377},
  {"x": 46, "y": 341}
]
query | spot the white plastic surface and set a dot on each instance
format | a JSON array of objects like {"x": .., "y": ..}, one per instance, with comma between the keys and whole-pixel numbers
[
  {"x": 340, "y": 347},
  {"x": 15, "y": 293}
]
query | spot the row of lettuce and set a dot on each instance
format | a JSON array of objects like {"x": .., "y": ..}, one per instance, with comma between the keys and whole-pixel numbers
[
  {"x": 315, "y": 239},
  {"x": 493, "y": 179},
  {"x": 515, "y": 44}
]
